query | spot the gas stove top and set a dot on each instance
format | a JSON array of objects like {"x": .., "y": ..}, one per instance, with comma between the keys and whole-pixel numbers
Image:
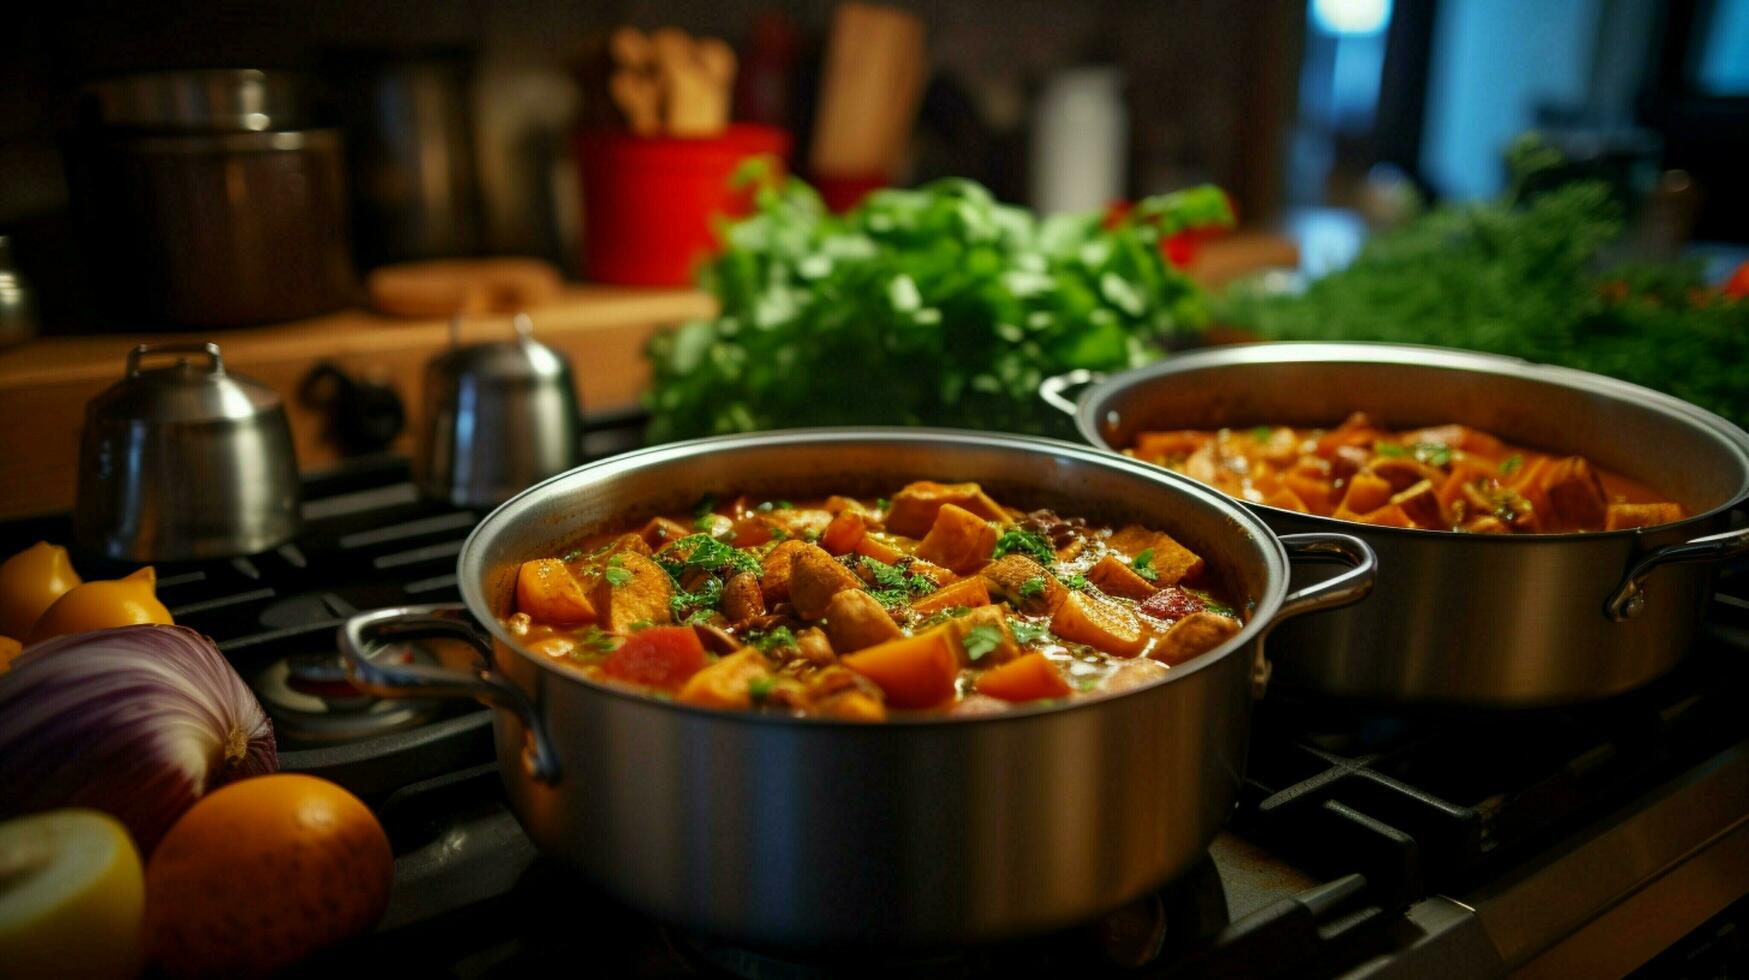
[{"x": 1570, "y": 842}]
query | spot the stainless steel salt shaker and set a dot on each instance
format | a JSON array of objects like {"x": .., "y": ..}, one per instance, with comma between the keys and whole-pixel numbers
[{"x": 499, "y": 416}]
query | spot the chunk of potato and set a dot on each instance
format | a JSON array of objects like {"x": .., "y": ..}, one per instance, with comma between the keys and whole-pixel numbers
[
  {"x": 1101, "y": 623},
  {"x": 814, "y": 578},
  {"x": 742, "y": 598},
  {"x": 854, "y": 620},
  {"x": 725, "y": 683},
  {"x": 1024, "y": 583},
  {"x": 548, "y": 592},
  {"x": 1622, "y": 516},
  {"x": 1115, "y": 577},
  {"x": 775, "y": 570},
  {"x": 1171, "y": 561},
  {"x": 643, "y": 597},
  {"x": 846, "y": 529},
  {"x": 1195, "y": 634},
  {"x": 660, "y": 531},
  {"x": 914, "y": 507},
  {"x": 958, "y": 540}
]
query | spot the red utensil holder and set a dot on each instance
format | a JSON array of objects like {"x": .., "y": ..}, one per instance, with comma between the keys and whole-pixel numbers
[{"x": 650, "y": 203}]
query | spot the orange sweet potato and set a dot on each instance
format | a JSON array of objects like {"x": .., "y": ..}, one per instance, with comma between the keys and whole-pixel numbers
[
  {"x": 958, "y": 540},
  {"x": 968, "y": 592},
  {"x": 549, "y": 593},
  {"x": 914, "y": 672},
  {"x": 774, "y": 571},
  {"x": 1171, "y": 561},
  {"x": 1367, "y": 492},
  {"x": 880, "y": 550},
  {"x": 1028, "y": 678},
  {"x": 1100, "y": 623},
  {"x": 914, "y": 507},
  {"x": 1114, "y": 577},
  {"x": 814, "y": 578},
  {"x": 725, "y": 683},
  {"x": 641, "y": 596},
  {"x": 1196, "y": 633},
  {"x": 1622, "y": 516},
  {"x": 854, "y": 620}
]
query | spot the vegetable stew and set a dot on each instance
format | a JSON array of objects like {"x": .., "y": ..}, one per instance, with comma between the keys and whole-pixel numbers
[
  {"x": 1446, "y": 478},
  {"x": 939, "y": 600}
]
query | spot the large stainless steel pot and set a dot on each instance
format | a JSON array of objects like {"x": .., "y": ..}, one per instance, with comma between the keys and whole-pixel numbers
[
  {"x": 803, "y": 832},
  {"x": 1478, "y": 620}
]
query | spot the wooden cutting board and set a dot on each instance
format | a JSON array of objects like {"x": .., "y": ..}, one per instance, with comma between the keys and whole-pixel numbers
[{"x": 45, "y": 384}]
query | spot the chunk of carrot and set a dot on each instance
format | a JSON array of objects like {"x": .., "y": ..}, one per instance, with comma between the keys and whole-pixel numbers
[
  {"x": 662, "y": 657},
  {"x": 846, "y": 529},
  {"x": 915, "y": 672},
  {"x": 549, "y": 593},
  {"x": 870, "y": 546},
  {"x": 1367, "y": 492},
  {"x": 968, "y": 592},
  {"x": 1028, "y": 678}
]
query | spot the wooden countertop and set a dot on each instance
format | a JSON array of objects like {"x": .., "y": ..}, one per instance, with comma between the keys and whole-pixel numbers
[{"x": 45, "y": 384}]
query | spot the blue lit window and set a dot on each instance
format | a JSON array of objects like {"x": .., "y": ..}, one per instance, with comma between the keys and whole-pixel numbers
[{"x": 1722, "y": 63}]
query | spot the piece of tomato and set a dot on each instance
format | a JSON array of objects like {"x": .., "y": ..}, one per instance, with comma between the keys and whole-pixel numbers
[
  {"x": 661, "y": 656},
  {"x": 1172, "y": 603}
]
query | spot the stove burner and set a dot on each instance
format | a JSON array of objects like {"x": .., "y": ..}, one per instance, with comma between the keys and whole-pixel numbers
[{"x": 309, "y": 701}]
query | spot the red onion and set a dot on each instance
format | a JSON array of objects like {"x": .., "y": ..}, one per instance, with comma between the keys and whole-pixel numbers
[{"x": 139, "y": 721}]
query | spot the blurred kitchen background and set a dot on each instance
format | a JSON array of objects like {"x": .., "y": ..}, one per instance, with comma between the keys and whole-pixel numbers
[{"x": 390, "y": 132}]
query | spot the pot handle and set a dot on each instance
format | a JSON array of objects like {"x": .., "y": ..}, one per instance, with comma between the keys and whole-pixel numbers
[
  {"x": 1629, "y": 598},
  {"x": 1344, "y": 590},
  {"x": 363, "y": 632},
  {"x": 1052, "y": 388}
]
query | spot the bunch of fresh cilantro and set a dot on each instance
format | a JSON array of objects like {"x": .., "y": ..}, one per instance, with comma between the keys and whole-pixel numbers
[
  {"x": 930, "y": 306},
  {"x": 1529, "y": 275}
]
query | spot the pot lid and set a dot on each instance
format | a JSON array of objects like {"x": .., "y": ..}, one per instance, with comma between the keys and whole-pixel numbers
[
  {"x": 522, "y": 359},
  {"x": 190, "y": 389}
]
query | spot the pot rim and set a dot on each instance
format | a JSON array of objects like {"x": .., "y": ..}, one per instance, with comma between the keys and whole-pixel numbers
[
  {"x": 1093, "y": 400},
  {"x": 470, "y": 575}
]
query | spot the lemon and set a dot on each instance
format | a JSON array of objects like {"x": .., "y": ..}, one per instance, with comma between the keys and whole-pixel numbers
[{"x": 72, "y": 896}]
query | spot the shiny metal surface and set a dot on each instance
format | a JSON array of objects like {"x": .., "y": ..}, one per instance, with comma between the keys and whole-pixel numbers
[
  {"x": 212, "y": 229},
  {"x": 499, "y": 417},
  {"x": 241, "y": 100},
  {"x": 1499, "y": 621},
  {"x": 186, "y": 461},
  {"x": 920, "y": 832},
  {"x": 18, "y": 322}
]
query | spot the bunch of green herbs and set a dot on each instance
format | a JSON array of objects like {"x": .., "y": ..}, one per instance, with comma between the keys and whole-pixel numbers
[{"x": 930, "y": 306}]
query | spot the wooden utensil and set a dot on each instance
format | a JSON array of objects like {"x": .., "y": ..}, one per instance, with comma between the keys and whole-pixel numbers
[{"x": 872, "y": 83}]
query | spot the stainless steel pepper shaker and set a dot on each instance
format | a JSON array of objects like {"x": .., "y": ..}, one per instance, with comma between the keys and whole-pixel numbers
[{"x": 499, "y": 416}]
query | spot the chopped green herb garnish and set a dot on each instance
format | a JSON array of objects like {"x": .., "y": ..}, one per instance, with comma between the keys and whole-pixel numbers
[
  {"x": 943, "y": 615},
  {"x": 769, "y": 640},
  {"x": 883, "y": 505},
  {"x": 760, "y": 688},
  {"x": 1076, "y": 582},
  {"x": 980, "y": 640},
  {"x": 592, "y": 643},
  {"x": 699, "y": 616},
  {"x": 705, "y": 599},
  {"x": 771, "y": 505},
  {"x": 1032, "y": 587},
  {"x": 1262, "y": 433},
  {"x": 779, "y": 533},
  {"x": 890, "y": 598},
  {"x": 701, "y": 551},
  {"x": 1215, "y": 605},
  {"x": 571, "y": 556},
  {"x": 640, "y": 625},
  {"x": 1389, "y": 450},
  {"x": 892, "y": 577},
  {"x": 811, "y": 534},
  {"x": 1511, "y": 464},
  {"x": 1026, "y": 543},
  {"x": 1026, "y": 633},
  {"x": 616, "y": 573},
  {"x": 1433, "y": 453},
  {"x": 1144, "y": 565}
]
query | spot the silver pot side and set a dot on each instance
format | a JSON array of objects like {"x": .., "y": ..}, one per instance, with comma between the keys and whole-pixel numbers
[
  {"x": 920, "y": 832},
  {"x": 1476, "y": 621}
]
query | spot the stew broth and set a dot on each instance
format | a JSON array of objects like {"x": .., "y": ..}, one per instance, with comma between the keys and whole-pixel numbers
[
  {"x": 1448, "y": 478},
  {"x": 940, "y": 600}
]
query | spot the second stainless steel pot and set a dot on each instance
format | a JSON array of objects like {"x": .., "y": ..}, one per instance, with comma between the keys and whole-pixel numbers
[
  {"x": 1469, "y": 619},
  {"x": 801, "y": 832}
]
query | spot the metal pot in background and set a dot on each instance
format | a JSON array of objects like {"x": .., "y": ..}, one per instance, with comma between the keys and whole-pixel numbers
[
  {"x": 410, "y": 143},
  {"x": 1478, "y": 620},
  {"x": 187, "y": 461},
  {"x": 499, "y": 417},
  {"x": 923, "y": 831},
  {"x": 197, "y": 205}
]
